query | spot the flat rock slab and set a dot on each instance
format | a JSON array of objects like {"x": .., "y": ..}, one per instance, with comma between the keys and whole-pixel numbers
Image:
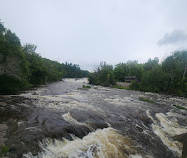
[
  {"x": 3, "y": 128},
  {"x": 3, "y": 104}
]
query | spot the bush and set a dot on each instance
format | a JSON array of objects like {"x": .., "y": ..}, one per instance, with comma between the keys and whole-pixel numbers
[
  {"x": 147, "y": 100},
  {"x": 135, "y": 85},
  {"x": 11, "y": 85},
  {"x": 104, "y": 76}
]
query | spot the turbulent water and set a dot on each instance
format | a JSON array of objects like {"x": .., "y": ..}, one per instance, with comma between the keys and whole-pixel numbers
[{"x": 67, "y": 121}]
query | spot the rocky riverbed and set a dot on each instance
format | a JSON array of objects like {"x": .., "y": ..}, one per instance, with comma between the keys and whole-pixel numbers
[{"x": 63, "y": 120}]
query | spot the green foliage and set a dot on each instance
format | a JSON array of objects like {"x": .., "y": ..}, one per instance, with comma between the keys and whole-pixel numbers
[
  {"x": 120, "y": 71},
  {"x": 4, "y": 150},
  {"x": 151, "y": 64},
  {"x": 21, "y": 66},
  {"x": 146, "y": 100},
  {"x": 84, "y": 87},
  {"x": 169, "y": 77},
  {"x": 103, "y": 76},
  {"x": 10, "y": 84},
  {"x": 180, "y": 107},
  {"x": 131, "y": 68},
  {"x": 135, "y": 69},
  {"x": 176, "y": 66},
  {"x": 13, "y": 66},
  {"x": 85, "y": 73},
  {"x": 154, "y": 80},
  {"x": 119, "y": 87},
  {"x": 74, "y": 71},
  {"x": 135, "y": 85}
]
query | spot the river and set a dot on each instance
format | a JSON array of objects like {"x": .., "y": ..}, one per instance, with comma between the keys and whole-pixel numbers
[{"x": 64, "y": 120}]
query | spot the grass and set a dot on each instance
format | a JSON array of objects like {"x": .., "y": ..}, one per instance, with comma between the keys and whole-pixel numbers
[
  {"x": 4, "y": 150},
  {"x": 179, "y": 107},
  {"x": 84, "y": 87},
  {"x": 146, "y": 100},
  {"x": 119, "y": 87}
]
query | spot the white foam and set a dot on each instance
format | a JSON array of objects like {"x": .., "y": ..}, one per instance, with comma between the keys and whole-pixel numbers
[
  {"x": 167, "y": 128},
  {"x": 69, "y": 118},
  {"x": 105, "y": 143},
  {"x": 79, "y": 80}
]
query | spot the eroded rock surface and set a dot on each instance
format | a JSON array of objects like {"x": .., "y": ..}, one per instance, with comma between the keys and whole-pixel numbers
[{"x": 61, "y": 120}]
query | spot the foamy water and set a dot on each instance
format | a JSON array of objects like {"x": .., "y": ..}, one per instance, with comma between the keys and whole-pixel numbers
[
  {"x": 167, "y": 128},
  {"x": 120, "y": 110},
  {"x": 69, "y": 118},
  {"x": 105, "y": 143}
]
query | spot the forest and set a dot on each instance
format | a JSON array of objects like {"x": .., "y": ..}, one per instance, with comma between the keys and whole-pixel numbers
[
  {"x": 21, "y": 67},
  {"x": 167, "y": 77}
]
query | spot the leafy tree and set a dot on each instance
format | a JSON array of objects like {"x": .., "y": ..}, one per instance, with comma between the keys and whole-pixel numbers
[
  {"x": 135, "y": 69},
  {"x": 21, "y": 66},
  {"x": 169, "y": 77},
  {"x": 103, "y": 76},
  {"x": 151, "y": 64},
  {"x": 175, "y": 66},
  {"x": 121, "y": 70},
  {"x": 154, "y": 80},
  {"x": 13, "y": 66}
]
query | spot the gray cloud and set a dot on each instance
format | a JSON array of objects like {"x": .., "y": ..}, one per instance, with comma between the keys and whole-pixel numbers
[
  {"x": 174, "y": 37},
  {"x": 86, "y": 32}
]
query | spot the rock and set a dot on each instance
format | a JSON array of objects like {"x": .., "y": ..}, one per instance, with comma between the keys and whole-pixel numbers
[
  {"x": 3, "y": 104},
  {"x": 140, "y": 129},
  {"x": 26, "y": 101},
  {"x": 3, "y": 128},
  {"x": 146, "y": 120},
  {"x": 34, "y": 93},
  {"x": 183, "y": 139}
]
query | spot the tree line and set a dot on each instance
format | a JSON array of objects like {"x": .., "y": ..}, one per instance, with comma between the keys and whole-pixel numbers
[
  {"x": 21, "y": 67},
  {"x": 169, "y": 77}
]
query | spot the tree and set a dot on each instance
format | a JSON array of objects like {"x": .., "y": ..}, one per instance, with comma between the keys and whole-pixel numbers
[
  {"x": 121, "y": 70},
  {"x": 13, "y": 66},
  {"x": 151, "y": 64},
  {"x": 21, "y": 66},
  {"x": 104, "y": 75},
  {"x": 135, "y": 69},
  {"x": 154, "y": 80},
  {"x": 175, "y": 66}
]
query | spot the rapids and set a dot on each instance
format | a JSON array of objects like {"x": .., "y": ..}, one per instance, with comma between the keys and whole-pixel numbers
[{"x": 64, "y": 120}]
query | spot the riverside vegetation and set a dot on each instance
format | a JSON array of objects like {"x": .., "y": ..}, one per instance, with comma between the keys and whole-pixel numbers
[
  {"x": 169, "y": 77},
  {"x": 21, "y": 67},
  {"x": 64, "y": 120}
]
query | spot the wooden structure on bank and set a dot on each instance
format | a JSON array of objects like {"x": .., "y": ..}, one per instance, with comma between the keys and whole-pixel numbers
[{"x": 130, "y": 78}]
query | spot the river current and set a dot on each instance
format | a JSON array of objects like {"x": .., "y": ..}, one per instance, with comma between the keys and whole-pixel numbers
[{"x": 68, "y": 121}]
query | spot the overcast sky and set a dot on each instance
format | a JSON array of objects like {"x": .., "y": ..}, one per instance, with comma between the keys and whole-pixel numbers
[{"x": 86, "y": 32}]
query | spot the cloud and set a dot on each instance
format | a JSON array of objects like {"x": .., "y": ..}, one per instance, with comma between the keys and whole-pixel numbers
[
  {"x": 87, "y": 32},
  {"x": 174, "y": 37}
]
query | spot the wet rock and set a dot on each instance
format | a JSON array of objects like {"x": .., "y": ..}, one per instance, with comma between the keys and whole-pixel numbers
[
  {"x": 146, "y": 120},
  {"x": 3, "y": 128},
  {"x": 3, "y": 104},
  {"x": 183, "y": 139},
  {"x": 35, "y": 93},
  {"x": 140, "y": 129},
  {"x": 38, "y": 119},
  {"x": 26, "y": 101}
]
